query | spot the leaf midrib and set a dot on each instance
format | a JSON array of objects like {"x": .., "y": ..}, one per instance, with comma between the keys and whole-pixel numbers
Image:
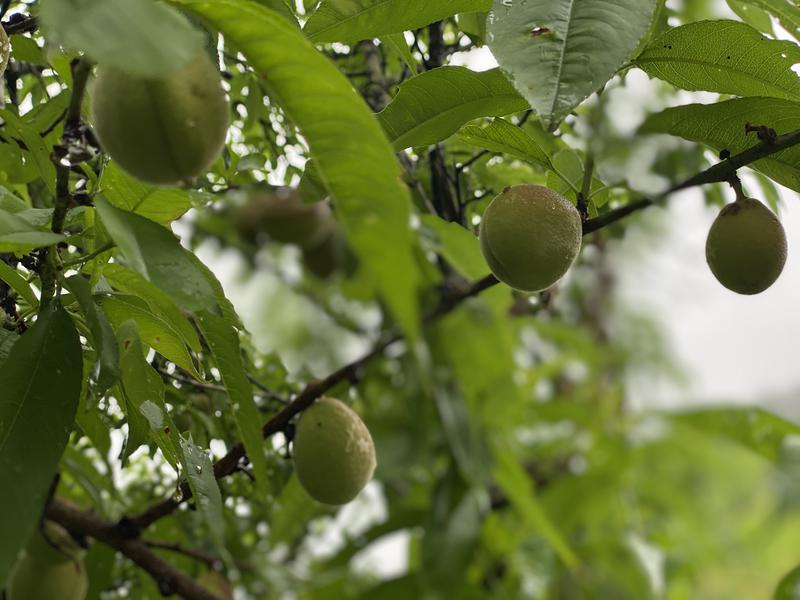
[
  {"x": 694, "y": 61},
  {"x": 448, "y": 112},
  {"x": 355, "y": 15}
]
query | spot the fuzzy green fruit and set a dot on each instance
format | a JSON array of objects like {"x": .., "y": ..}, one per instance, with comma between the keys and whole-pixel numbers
[
  {"x": 530, "y": 236},
  {"x": 49, "y": 568},
  {"x": 285, "y": 218},
  {"x": 334, "y": 456},
  {"x": 746, "y": 247},
  {"x": 161, "y": 130}
]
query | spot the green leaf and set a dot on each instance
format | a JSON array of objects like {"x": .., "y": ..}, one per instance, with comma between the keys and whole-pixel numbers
[
  {"x": 727, "y": 57},
  {"x": 156, "y": 254},
  {"x": 722, "y": 126},
  {"x": 207, "y": 497},
  {"x": 41, "y": 383},
  {"x": 396, "y": 42},
  {"x": 225, "y": 305},
  {"x": 16, "y": 229},
  {"x": 474, "y": 25},
  {"x": 432, "y": 106},
  {"x": 131, "y": 283},
  {"x": 558, "y": 52},
  {"x": 786, "y": 11},
  {"x": 466, "y": 441},
  {"x": 354, "y": 20},
  {"x": 372, "y": 204},
  {"x": 451, "y": 539},
  {"x": 516, "y": 484},
  {"x": 99, "y": 569},
  {"x": 18, "y": 284},
  {"x": 754, "y": 428},
  {"x": 224, "y": 343},
  {"x": 139, "y": 36},
  {"x": 37, "y": 147},
  {"x": 503, "y": 137},
  {"x": 159, "y": 204},
  {"x": 753, "y": 15},
  {"x": 7, "y": 341},
  {"x": 143, "y": 390},
  {"x": 789, "y": 586},
  {"x": 155, "y": 331},
  {"x": 458, "y": 246},
  {"x": 106, "y": 370}
]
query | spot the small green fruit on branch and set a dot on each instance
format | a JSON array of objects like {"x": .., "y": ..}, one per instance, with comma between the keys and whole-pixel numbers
[
  {"x": 283, "y": 217},
  {"x": 163, "y": 130},
  {"x": 334, "y": 456},
  {"x": 746, "y": 247},
  {"x": 530, "y": 236},
  {"x": 50, "y": 567}
]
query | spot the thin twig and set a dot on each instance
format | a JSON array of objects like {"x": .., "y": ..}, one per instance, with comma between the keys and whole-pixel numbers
[
  {"x": 80, "y": 77},
  {"x": 26, "y": 25},
  {"x": 718, "y": 173},
  {"x": 211, "y": 560},
  {"x": 170, "y": 579}
]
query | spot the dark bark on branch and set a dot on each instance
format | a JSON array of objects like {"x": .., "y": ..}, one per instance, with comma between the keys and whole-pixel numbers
[
  {"x": 170, "y": 580},
  {"x": 80, "y": 77},
  {"x": 718, "y": 173}
]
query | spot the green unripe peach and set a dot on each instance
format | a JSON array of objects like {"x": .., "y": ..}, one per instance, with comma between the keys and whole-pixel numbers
[
  {"x": 746, "y": 247},
  {"x": 334, "y": 456},
  {"x": 530, "y": 236},
  {"x": 218, "y": 584},
  {"x": 285, "y": 218},
  {"x": 49, "y": 568},
  {"x": 162, "y": 130},
  {"x": 330, "y": 256}
]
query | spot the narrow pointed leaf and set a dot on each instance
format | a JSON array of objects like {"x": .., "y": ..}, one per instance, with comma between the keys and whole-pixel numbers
[
  {"x": 18, "y": 284},
  {"x": 354, "y": 20},
  {"x": 224, "y": 343},
  {"x": 205, "y": 489},
  {"x": 155, "y": 253},
  {"x": 786, "y": 11},
  {"x": 143, "y": 389},
  {"x": 7, "y": 341},
  {"x": 133, "y": 284},
  {"x": 41, "y": 385},
  {"x": 432, "y": 106},
  {"x": 558, "y": 52},
  {"x": 727, "y": 57},
  {"x": 722, "y": 127},
  {"x": 343, "y": 136},
  {"x": 159, "y": 204},
  {"x": 155, "y": 331},
  {"x": 501, "y": 136},
  {"x": 106, "y": 370},
  {"x": 107, "y": 30}
]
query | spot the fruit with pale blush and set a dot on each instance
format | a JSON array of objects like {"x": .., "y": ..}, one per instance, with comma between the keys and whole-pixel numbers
[
  {"x": 334, "y": 456},
  {"x": 162, "y": 130},
  {"x": 50, "y": 567},
  {"x": 746, "y": 247},
  {"x": 530, "y": 236}
]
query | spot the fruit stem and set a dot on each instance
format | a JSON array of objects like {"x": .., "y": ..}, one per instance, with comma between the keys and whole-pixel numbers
[{"x": 736, "y": 184}]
